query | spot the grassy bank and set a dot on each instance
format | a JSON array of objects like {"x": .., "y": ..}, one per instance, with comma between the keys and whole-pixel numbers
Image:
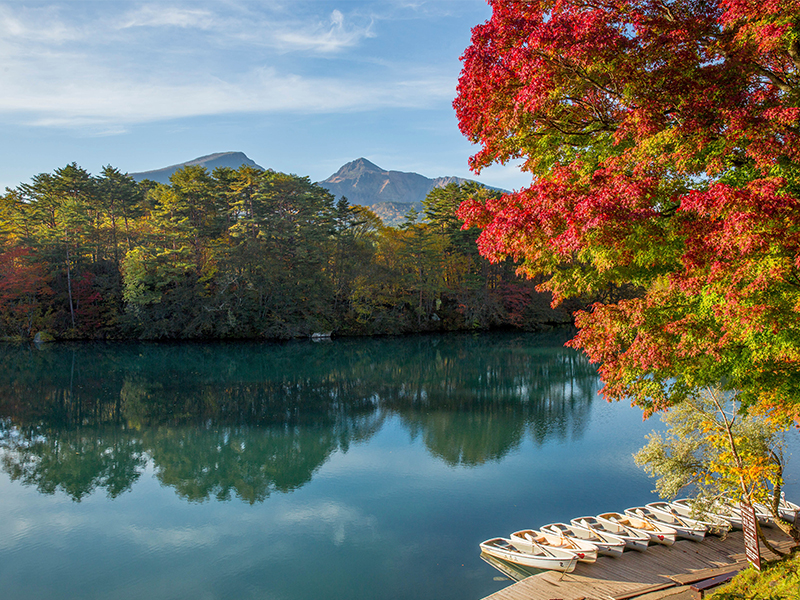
[{"x": 778, "y": 580}]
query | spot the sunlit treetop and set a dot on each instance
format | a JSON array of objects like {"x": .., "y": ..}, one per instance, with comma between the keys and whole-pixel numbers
[{"x": 675, "y": 85}]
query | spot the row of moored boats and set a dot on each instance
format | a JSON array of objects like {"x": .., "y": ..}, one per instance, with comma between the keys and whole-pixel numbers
[{"x": 560, "y": 546}]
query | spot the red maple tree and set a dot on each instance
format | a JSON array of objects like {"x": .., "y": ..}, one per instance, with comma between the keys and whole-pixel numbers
[
  {"x": 662, "y": 141},
  {"x": 22, "y": 290}
]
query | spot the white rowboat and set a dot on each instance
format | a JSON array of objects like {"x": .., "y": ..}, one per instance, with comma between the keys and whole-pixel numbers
[
  {"x": 607, "y": 544},
  {"x": 527, "y": 539},
  {"x": 715, "y": 524},
  {"x": 763, "y": 514},
  {"x": 543, "y": 558},
  {"x": 688, "y": 530},
  {"x": 688, "y": 507},
  {"x": 661, "y": 534},
  {"x": 633, "y": 540},
  {"x": 788, "y": 510}
]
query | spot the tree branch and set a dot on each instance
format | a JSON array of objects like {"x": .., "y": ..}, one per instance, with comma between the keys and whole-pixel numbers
[
  {"x": 773, "y": 77},
  {"x": 794, "y": 52}
]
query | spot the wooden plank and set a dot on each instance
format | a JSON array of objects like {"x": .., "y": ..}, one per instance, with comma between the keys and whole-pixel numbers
[
  {"x": 668, "y": 594},
  {"x": 687, "y": 578},
  {"x": 642, "y": 591},
  {"x": 707, "y": 584}
]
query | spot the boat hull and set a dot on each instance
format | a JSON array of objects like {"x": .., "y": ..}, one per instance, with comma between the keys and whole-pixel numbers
[
  {"x": 788, "y": 511},
  {"x": 716, "y": 525},
  {"x": 607, "y": 544},
  {"x": 526, "y": 540},
  {"x": 726, "y": 513},
  {"x": 633, "y": 540},
  {"x": 503, "y": 549},
  {"x": 657, "y": 533},
  {"x": 695, "y": 532}
]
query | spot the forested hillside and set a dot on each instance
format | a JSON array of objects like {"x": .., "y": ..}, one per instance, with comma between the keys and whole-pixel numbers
[{"x": 242, "y": 254}]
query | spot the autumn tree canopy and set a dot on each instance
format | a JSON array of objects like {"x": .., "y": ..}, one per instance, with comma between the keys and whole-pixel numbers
[
  {"x": 241, "y": 254},
  {"x": 662, "y": 140}
]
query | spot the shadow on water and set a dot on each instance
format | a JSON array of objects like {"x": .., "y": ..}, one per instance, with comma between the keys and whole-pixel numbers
[{"x": 251, "y": 419}]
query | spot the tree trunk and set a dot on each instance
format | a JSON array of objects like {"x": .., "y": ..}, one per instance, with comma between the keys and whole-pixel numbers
[
  {"x": 69, "y": 290},
  {"x": 765, "y": 541}
]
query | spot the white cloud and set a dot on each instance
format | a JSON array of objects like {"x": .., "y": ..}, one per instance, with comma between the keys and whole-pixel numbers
[
  {"x": 267, "y": 27},
  {"x": 108, "y": 70},
  {"x": 35, "y": 25},
  {"x": 508, "y": 176},
  {"x": 77, "y": 97},
  {"x": 168, "y": 16},
  {"x": 323, "y": 37}
]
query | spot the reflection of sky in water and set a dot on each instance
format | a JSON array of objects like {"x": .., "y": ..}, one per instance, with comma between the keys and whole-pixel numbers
[
  {"x": 389, "y": 510},
  {"x": 382, "y": 520}
]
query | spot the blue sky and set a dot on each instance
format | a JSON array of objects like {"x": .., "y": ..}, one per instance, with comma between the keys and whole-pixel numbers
[{"x": 299, "y": 86}]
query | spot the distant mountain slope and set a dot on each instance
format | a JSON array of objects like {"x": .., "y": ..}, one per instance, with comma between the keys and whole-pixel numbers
[
  {"x": 392, "y": 213},
  {"x": 390, "y": 194},
  {"x": 365, "y": 183},
  {"x": 233, "y": 160}
]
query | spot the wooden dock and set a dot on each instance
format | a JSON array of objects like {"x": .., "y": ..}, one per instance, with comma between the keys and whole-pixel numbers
[{"x": 637, "y": 573}]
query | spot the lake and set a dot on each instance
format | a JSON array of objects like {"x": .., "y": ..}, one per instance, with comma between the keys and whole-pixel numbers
[{"x": 344, "y": 469}]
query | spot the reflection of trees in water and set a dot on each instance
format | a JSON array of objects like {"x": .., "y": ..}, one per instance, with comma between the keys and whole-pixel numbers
[
  {"x": 248, "y": 462},
  {"x": 64, "y": 387},
  {"x": 248, "y": 419},
  {"x": 198, "y": 462},
  {"x": 475, "y": 402},
  {"x": 466, "y": 438},
  {"x": 76, "y": 462}
]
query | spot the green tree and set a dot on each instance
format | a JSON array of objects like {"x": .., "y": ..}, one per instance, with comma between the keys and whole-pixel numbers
[
  {"x": 167, "y": 277},
  {"x": 60, "y": 226},
  {"x": 122, "y": 199},
  {"x": 296, "y": 226},
  {"x": 356, "y": 230},
  {"x": 721, "y": 453},
  {"x": 474, "y": 284}
]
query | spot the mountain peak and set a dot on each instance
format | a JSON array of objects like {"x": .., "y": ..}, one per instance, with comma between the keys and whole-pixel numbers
[
  {"x": 355, "y": 168},
  {"x": 367, "y": 184},
  {"x": 363, "y": 162},
  {"x": 234, "y": 160},
  {"x": 235, "y": 156}
]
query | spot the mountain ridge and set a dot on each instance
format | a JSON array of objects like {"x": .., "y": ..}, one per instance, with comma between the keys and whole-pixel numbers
[
  {"x": 230, "y": 159},
  {"x": 390, "y": 194},
  {"x": 363, "y": 182}
]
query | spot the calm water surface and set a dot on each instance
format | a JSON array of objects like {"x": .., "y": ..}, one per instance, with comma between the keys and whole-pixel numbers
[{"x": 352, "y": 469}]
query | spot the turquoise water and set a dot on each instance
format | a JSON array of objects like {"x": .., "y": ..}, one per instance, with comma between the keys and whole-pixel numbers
[{"x": 345, "y": 469}]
